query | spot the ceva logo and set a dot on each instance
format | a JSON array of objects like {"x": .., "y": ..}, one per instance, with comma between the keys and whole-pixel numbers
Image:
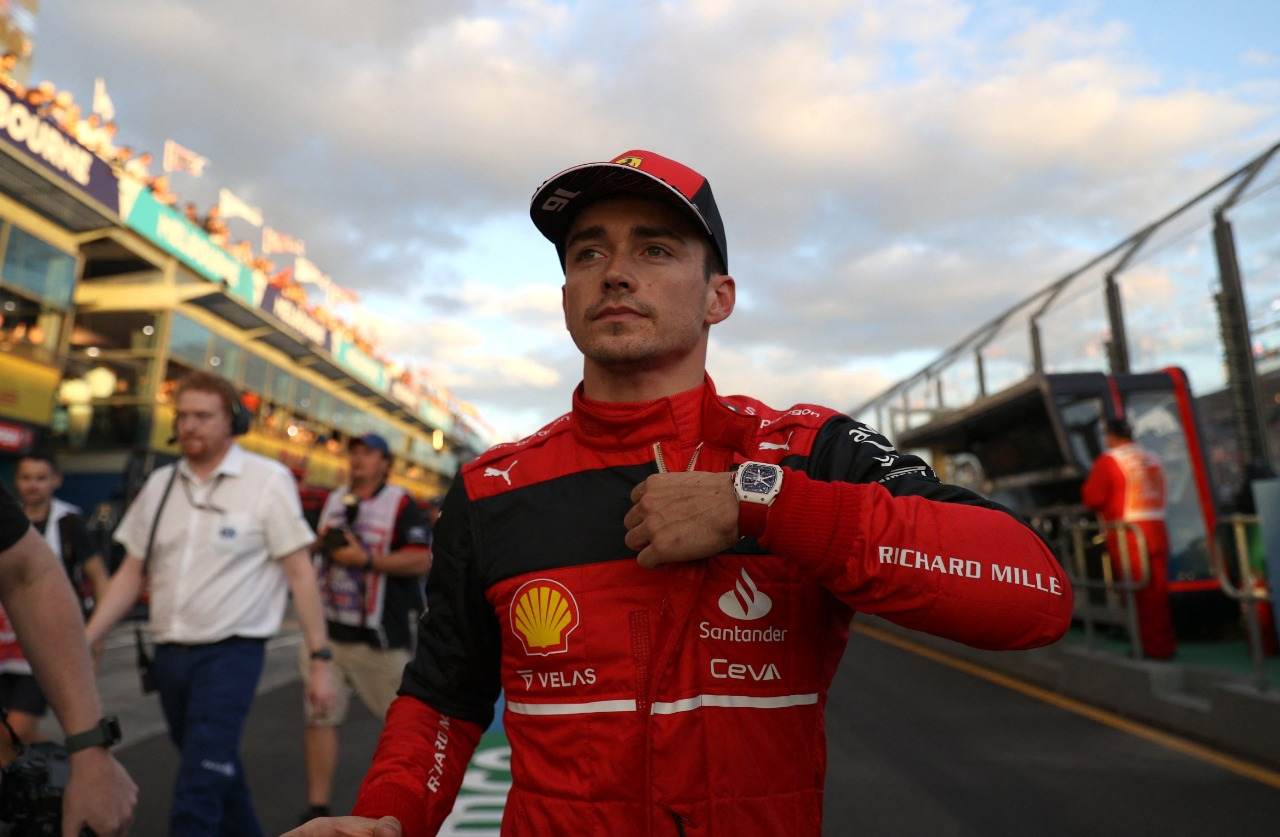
[
  {"x": 543, "y": 614},
  {"x": 745, "y": 601}
]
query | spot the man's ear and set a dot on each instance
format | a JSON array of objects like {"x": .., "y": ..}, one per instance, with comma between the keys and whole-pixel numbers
[{"x": 722, "y": 295}]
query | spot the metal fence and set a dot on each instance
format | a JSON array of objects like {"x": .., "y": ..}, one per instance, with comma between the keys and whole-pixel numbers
[{"x": 1199, "y": 288}]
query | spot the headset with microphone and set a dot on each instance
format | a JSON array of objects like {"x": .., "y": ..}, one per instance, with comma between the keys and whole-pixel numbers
[{"x": 241, "y": 418}]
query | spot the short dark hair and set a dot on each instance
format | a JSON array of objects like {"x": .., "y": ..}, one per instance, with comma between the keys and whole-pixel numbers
[
  {"x": 1119, "y": 428},
  {"x": 714, "y": 265},
  {"x": 40, "y": 456}
]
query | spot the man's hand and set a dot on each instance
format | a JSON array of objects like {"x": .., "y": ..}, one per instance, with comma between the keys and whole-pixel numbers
[
  {"x": 322, "y": 688},
  {"x": 351, "y": 555},
  {"x": 682, "y": 517},
  {"x": 99, "y": 794},
  {"x": 348, "y": 827}
]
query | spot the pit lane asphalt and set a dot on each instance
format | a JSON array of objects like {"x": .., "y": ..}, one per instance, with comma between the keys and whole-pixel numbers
[
  {"x": 271, "y": 749},
  {"x": 915, "y": 747},
  {"x": 919, "y": 746}
]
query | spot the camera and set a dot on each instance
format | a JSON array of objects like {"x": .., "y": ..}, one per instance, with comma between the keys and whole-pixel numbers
[
  {"x": 31, "y": 789},
  {"x": 335, "y": 538}
]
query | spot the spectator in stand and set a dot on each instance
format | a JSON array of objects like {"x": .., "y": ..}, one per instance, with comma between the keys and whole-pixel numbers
[
  {"x": 120, "y": 158},
  {"x": 40, "y": 97},
  {"x": 86, "y": 132},
  {"x": 243, "y": 251},
  {"x": 8, "y": 63},
  {"x": 161, "y": 192},
  {"x": 374, "y": 554},
  {"x": 106, "y": 148},
  {"x": 192, "y": 213},
  {"x": 65, "y": 111},
  {"x": 216, "y": 227},
  {"x": 139, "y": 168}
]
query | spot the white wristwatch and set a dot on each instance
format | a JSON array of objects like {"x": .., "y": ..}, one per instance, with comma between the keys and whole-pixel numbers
[
  {"x": 757, "y": 482},
  {"x": 757, "y": 485}
]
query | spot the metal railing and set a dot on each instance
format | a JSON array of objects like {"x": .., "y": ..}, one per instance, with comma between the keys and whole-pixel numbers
[
  {"x": 1127, "y": 586},
  {"x": 1250, "y": 591}
]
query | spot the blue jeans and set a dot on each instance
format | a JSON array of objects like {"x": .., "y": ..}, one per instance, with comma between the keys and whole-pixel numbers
[{"x": 206, "y": 692}]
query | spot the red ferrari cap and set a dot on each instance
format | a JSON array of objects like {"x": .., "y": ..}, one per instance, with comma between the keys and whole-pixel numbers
[{"x": 557, "y": 201}]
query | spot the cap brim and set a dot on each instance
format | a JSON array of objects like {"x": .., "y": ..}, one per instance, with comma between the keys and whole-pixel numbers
[{"x": 592, "y": 181}]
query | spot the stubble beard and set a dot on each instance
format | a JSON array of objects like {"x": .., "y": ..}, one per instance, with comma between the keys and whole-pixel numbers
[
  {"x": 203, "y": 452},
  {"x": 621, "y": 348}
]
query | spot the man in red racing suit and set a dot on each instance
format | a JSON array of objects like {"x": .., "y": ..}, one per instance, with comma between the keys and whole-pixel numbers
[{"x": 665, "y": 641}]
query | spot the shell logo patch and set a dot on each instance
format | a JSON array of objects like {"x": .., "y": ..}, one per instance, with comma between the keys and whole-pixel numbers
[{"x": 543, "y": 614}]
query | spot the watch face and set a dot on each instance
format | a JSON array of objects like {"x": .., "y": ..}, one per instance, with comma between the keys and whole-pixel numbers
[{"x": 759, "y": 479}]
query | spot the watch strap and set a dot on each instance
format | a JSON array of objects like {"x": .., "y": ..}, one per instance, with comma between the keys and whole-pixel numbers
[
  {"x": 751, "y": 519},
  {"x": 103, "y": 734}
]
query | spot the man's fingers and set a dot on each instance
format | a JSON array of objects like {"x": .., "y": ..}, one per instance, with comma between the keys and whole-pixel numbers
[
  {"x": 650, "y": 558},
  {"x": 633, "y": 518}
]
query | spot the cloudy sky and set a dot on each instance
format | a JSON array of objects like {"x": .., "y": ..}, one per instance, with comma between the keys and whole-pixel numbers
[{"x": 892, "y": 173}]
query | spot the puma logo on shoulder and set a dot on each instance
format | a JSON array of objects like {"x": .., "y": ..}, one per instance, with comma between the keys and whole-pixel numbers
[
  {"x": 777, "y": 445},
  {"x": 506, "y": 475}
]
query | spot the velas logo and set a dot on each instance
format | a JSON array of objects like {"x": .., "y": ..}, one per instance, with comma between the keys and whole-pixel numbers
[
  {"x": 543, "y": 614},
  {"x": 745, "y": 601}
]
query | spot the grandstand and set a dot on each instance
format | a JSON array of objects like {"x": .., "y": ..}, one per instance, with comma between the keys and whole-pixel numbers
[{"x": 109, "y": 293}]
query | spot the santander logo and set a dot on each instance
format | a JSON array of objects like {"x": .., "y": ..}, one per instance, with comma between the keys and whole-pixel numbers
[{"x": 745, "y": 601}]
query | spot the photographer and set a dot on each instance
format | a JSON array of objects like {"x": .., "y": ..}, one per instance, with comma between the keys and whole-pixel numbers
[
  {"x": 374, "y": 553},
  {"x": 35, "y": 592}
]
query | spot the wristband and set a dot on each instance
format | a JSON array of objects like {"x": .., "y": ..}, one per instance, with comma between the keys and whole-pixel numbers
[
  {"x": 103, "y": 734},
  {"x": 752, "y": 518}
]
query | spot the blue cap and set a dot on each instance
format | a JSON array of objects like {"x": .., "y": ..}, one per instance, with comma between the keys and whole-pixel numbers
[{"x": 372, "y": 441}]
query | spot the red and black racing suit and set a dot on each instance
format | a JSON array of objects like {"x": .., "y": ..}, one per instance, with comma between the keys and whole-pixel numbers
[{"x": 687, "y": 699}]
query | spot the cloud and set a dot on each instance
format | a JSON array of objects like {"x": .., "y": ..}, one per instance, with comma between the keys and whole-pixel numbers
[
  {"x": 892, "y": 174},
  {"x": 1260, "y": 59}
]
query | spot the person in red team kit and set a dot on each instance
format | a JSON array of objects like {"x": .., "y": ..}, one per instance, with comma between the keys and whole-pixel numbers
[
  {"x": 662, "y": 580},
  {"x": 1126, "y": 485}
]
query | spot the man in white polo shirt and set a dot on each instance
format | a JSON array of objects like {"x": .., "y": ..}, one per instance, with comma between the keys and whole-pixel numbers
[{"x": 222, "y": 537}]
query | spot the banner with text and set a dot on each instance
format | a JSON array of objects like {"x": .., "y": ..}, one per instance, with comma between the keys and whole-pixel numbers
[
  {"x": 41, "y": 141},
  {"x": 363, "y": 366},
  {"x": 275, "y": 303},
  {"x": 179, "y": 237}
]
